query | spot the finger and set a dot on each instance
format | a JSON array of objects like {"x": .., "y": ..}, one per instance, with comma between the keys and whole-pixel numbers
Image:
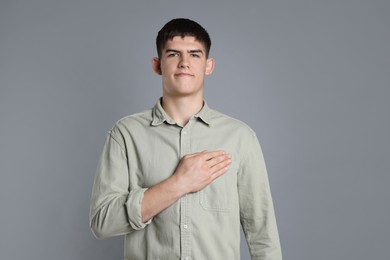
[
  {"x": 221, "y": 171},
  {"x": 195, "y": 154},
  {"x": 210, "y": 155},
  {"x": 219, "y": 164},
  {"x": 219, "y": 159}
]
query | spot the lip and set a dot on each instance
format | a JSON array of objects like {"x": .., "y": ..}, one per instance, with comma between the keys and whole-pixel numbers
[{"x": 183, "y": 74}]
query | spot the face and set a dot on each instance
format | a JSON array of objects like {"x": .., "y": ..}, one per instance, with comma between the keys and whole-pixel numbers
[{"x": 183, "y": 66}]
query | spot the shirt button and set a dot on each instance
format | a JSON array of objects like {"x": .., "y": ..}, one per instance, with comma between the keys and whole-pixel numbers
[
  {"x": 185, "y": 226},
  {"x": 184, "y": 132}
]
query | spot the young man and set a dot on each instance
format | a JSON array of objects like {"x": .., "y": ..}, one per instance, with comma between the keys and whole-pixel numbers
[{"x": 179, "y": 179}]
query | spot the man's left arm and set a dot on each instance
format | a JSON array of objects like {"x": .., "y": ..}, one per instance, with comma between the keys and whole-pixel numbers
[{"x": 256, "y": 206}]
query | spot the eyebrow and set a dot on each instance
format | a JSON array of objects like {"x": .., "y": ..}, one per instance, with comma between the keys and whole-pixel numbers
[
  {"x": 195, "y": 51},
  {"x": 190, "y": 51}
]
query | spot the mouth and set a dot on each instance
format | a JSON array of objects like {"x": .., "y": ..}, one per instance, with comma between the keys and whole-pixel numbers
[{"x": 183, "y": 74}]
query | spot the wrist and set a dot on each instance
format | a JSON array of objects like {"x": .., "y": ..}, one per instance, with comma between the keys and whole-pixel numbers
[{"x": 179, "y": 189}]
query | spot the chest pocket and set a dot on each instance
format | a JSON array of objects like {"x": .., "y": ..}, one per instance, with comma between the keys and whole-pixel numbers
[{"x": 221, "y": 194}]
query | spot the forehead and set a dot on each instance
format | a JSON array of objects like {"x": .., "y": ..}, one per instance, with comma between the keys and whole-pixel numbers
[{"x": 186, "y": 43}]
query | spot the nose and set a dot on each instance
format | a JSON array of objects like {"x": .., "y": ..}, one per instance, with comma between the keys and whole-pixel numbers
[{"x": 184, "y": 62}]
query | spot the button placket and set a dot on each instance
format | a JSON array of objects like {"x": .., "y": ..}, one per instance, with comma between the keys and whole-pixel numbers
[{"x": 185, "y": 206}]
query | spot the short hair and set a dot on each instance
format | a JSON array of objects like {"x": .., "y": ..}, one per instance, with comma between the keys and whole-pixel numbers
[{"x": 182, "y": 27}]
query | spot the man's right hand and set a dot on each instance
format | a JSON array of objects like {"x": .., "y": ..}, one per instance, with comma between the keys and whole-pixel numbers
[
  {"x": 196, "y": 171},
  {"x": 193, "y": 173}
]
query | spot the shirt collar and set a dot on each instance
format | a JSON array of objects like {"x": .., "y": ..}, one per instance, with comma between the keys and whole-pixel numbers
[{"x": 159, "y": 115}]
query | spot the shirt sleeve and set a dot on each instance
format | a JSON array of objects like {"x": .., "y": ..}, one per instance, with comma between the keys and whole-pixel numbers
[
  {"x": 256, "y": 206},
  {"x": 115, "y": 209}
]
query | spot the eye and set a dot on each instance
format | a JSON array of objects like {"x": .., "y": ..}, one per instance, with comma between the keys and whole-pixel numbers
[
  {"x": 173, "y": 54},
  {"x": 195, "y": 55}
]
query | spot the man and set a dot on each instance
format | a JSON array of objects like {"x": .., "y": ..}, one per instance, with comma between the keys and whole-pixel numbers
[{"x": 179, "y": 179}]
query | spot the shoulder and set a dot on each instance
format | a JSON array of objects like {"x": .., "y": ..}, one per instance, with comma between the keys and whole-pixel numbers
[
  {"x": 132, "y": 123},
  {"x": 239, "y": 133},
  {"x": 220, "y": 119}
]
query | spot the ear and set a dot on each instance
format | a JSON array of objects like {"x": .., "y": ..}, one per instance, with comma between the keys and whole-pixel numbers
[
  {"x": 210, "y": 63},
  {"x": 156, "y": 65}
]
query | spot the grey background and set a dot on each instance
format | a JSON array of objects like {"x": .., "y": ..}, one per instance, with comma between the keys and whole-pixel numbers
[{"x": 310, "y": 77}]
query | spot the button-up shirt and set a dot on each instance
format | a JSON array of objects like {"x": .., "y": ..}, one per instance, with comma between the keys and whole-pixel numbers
[{"x": 144, "y": 149}]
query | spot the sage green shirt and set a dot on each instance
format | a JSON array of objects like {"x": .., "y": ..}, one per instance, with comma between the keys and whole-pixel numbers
[{"x": 143, "y": 149}]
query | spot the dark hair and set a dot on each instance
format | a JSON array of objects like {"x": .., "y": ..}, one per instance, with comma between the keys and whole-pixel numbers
[{"x": 182, "y": 27}]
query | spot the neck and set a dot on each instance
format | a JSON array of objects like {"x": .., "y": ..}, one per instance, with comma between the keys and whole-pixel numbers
[{"x": 183, "y": 108}]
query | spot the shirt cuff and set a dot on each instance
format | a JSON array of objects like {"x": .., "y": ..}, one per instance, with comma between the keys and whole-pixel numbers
[{"x": 133, "y": 205}]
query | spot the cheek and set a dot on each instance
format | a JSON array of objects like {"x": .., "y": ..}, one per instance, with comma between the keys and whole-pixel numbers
[
  {"x": 166, "y": 71},
  {"x": 166, "y": 66},
  {"x": 202, "y": 70}
]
